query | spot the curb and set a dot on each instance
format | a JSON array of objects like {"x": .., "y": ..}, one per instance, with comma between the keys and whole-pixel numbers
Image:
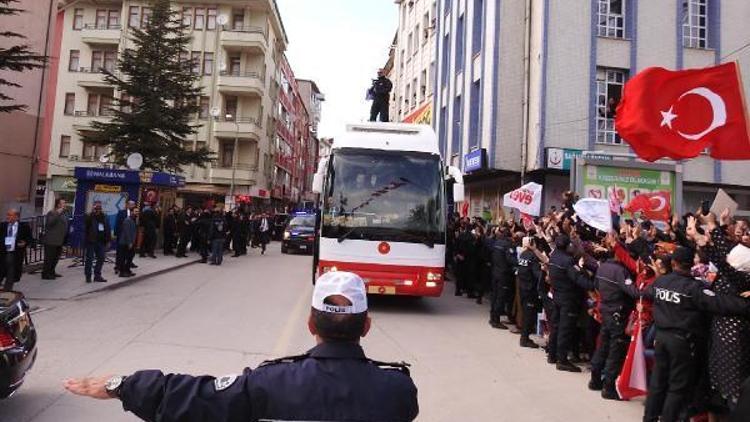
[{"x": 133, "y": 280}]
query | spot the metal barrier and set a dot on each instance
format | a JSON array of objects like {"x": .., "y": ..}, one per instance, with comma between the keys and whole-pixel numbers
[{"x": 35, "y": 251}]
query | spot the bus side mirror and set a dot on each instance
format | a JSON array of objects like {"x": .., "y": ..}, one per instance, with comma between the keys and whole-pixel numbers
[
  {"x": 458, "y": 192},
  {"x": 317, "y": 184}
]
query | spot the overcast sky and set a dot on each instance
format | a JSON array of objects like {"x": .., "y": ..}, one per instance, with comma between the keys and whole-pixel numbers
[{"x": 340, "y": 44}]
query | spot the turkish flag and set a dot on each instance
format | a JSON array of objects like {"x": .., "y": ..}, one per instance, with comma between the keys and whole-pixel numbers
[
  {"x": 678, "y": 114},
  {"x": 654, "y": 206},
  {"x": 632, "y": 380}
]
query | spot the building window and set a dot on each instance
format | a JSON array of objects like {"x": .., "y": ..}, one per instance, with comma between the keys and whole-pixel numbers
[
  {"x": 414, "y": 93},
  {"x": 238, "y": 21},
  {"x": 416, "y": 40},
  {"x": 113, "y": 19},
  {"x": 410, "y": 45},
  {"x": 203, "y": 110},
  {"x": 200, "y": 15},
  {"x": 70, "y": 104},
  {"x": 64, "y": 146},
  {"x": 145, "y": 16},
  {"x": 208, "y": 63},
  {"x": 423, "y": 86},
  {"x": 695, "y": 23},
  {"x": 101, "y": 19},
  {"x": 126, "y": 103},
  {"x": 445, "y": 59},
  {"x": 91, "y": 151},
  {"x": 195, "y": 58},
  {"x": 234, "y": 65},
  {"x": 93, "y": 105},
  {"x": 211, "y": 18},
  {"x": 230, "y": 108},
  {"x": 110, "y": 58},
  {"x": 476, "y": 33},
  {"x": 609, "y": 83},
  {"x": 456, "y": 133},
  {"x": 611, "y": 19},
  {"x": 426, "y": 28},
  {"x": 97, "y": 60},
  {"x": 78, "y": 19},
  {"x": 187, "y": 16},
  {"x": 134, "y": 17},
  {"x": 460, "y": 32},
  {"x": 227, "y": 154},
  {"x": 74, "y": 62}
]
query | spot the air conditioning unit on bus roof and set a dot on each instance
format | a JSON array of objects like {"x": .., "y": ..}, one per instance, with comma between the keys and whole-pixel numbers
[{"x": 392, "y": 128}]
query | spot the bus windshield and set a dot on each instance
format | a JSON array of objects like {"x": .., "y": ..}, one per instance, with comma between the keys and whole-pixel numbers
[{"x": 384, "y": 195}]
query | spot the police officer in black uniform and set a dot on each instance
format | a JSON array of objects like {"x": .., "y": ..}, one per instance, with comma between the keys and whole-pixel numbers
[
  {"x": 529, "y": 276},
  {"x": 618, "y": 293},
  {"x": 680, "y": 303},
  {"x": 568, "y": 284},
  {"x": 334, "y": 381},
  {"x": 504, "y": 262},
  {"x": 380, "y": 93}
]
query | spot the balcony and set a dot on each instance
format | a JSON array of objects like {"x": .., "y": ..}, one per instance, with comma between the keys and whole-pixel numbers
[
  {"x": 101, "y": 34},
  {"x": 83, "y": 119},
  {"x": 241, "y": 128},
  {"x": 88, "y": 78},
  {"x": 245, "y": 38},
  {"x": 241, "y": 83},
  {"x": 245, "y": 174}
]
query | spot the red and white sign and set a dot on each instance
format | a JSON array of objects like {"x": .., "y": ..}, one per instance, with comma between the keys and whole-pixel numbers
[
  {"x": 527, "y": 199},
  {"x": 678, "y": 114}
]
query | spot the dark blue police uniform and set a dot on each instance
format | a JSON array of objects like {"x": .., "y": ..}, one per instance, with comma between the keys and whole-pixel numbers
[{"x": 331, "y": 382}]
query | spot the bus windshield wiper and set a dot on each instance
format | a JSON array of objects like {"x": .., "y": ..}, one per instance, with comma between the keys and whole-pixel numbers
[{"x": 346, "y": 234}]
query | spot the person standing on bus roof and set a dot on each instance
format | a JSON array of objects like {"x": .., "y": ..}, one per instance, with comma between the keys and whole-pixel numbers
[
  {"x": 332, "y": 381},
  {"x": 380, "y": 93}
]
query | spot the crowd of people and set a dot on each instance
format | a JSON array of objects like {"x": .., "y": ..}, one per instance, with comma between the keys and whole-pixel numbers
[
  {"x": 683, "y": 283},
  {"x": 209, "y": 231}
]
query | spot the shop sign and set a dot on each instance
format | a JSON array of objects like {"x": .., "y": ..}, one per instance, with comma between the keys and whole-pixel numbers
[
  {"x": 475, "y": 160},
  {"x": 107, "y": 188},
  {"x": 562, "y": 158},
  {"x": 106, "y": 175}
]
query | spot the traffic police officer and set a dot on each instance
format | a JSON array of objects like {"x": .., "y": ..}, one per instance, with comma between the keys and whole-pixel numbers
[
  {"x": 529, "y": 276},
  {"x": 617, "y": 292},
  {"x": 568, "y": 284},
  {"x": 679, "y": 303},
  {"x": 504, "y": 261},
  {"x": 334, "y": 381}
]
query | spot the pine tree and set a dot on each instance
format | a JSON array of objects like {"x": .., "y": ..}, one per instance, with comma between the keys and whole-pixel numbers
[
  {"x": 16, "y": 58},
  {"x": 158, "y": 97}
]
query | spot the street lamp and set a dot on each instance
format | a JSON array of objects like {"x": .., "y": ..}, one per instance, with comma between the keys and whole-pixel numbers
[{"x": 234, "y": 153}]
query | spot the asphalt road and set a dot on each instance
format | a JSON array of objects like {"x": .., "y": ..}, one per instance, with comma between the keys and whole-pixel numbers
[{"x": 218, "y": 320}]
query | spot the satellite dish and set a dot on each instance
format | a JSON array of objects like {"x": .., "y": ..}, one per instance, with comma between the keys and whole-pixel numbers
[
  {"x": 222, "y": 66},
  {"x": 135, "y": 161},
  {"x": 222, "y": 19},
  {"x": 215, "y": 111},
  {"x": 104, "y": 159}
]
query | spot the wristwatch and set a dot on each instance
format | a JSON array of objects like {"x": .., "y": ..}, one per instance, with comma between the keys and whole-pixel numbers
[{"x": 114, "y": 385}]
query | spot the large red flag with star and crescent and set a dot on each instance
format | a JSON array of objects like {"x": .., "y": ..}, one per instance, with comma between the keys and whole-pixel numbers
[{"x": 678, "y": 114}]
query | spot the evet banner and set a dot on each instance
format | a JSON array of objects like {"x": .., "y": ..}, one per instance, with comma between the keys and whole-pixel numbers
[{"x": 527, "y": 199}]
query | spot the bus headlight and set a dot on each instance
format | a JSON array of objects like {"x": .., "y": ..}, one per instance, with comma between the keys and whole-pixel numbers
[
  {"x": 434, "y": 276},
  {"x": 287, "y": 235}
]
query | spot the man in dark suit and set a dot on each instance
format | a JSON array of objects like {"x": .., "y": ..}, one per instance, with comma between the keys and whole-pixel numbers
[
  {"x": 56, "y": 230},
  {"x": 122, "y": 215},
  {"x": 150, "y": 223},
  {"x": 170, "y": 230},
  {"x": 97, "y": 236},
  {"x": 17, "y": 237},
  {"x": 126, "y": 243}
]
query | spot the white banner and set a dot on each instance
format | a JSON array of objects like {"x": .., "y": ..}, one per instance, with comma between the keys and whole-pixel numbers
[
  {"x": 594, "y": 212},
  {"x": 527, "y": 199}
]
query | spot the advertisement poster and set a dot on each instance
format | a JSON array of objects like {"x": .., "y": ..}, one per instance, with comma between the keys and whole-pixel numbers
[{"x": 630, "y": 183}]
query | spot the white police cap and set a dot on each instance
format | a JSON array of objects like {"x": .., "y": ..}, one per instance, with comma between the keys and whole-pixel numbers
[{"x": 340, "y": 283}]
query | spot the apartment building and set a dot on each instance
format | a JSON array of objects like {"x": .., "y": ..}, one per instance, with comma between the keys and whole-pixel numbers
[
  {"x": 312, "y": 99},
  {"x": 413, "y": 63},
  {"x": 236, "y": 46},
  {"x": 20, "y": 139},
  {"x": 522, "y": 81}
]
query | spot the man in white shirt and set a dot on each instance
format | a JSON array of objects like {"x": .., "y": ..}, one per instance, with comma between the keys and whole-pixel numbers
[{"x": 16, "y": 237}]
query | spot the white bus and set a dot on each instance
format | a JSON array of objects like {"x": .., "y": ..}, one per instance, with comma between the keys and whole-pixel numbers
[{"x": 383, "y": 208}]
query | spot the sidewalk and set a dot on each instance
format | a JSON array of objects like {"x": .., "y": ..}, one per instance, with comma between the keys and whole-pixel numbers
[{"x": 73, "y": 284}]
